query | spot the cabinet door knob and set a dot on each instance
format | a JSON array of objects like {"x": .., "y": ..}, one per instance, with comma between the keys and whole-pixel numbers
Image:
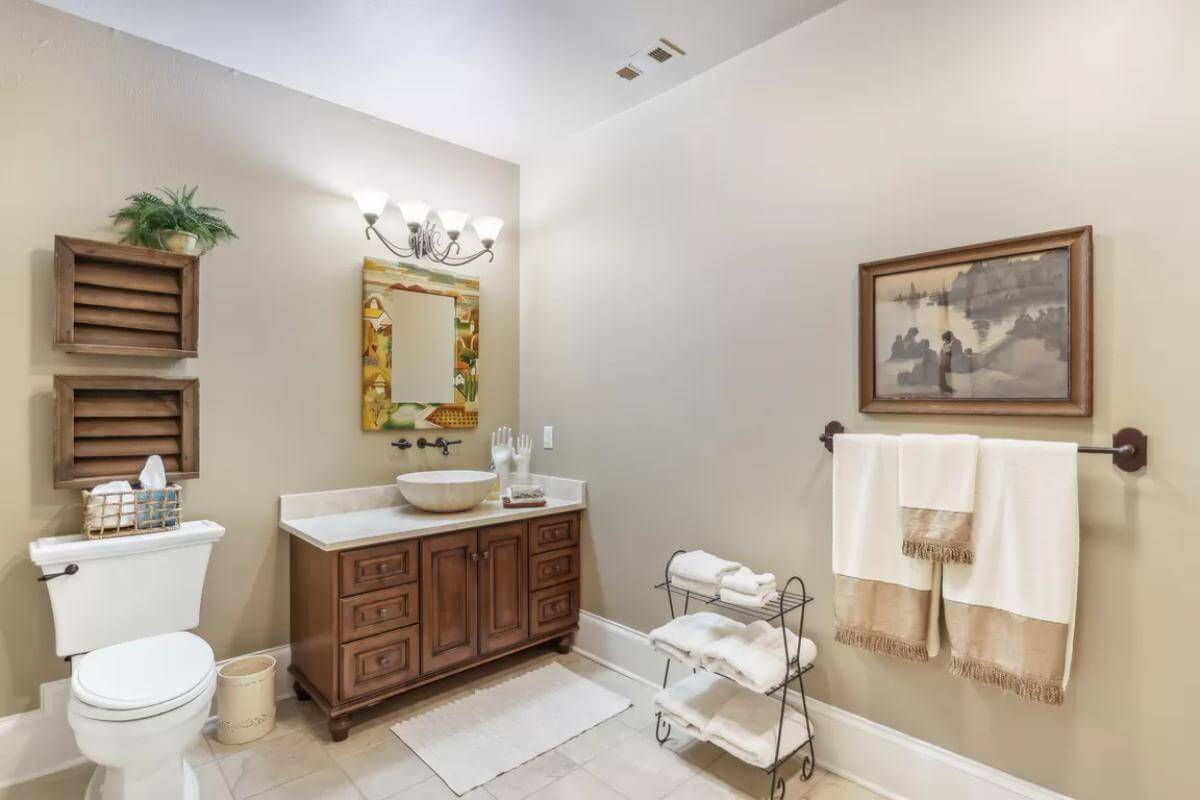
[
  {"x": 487, "y": 554},
  {"x": 474, "y": 556}
]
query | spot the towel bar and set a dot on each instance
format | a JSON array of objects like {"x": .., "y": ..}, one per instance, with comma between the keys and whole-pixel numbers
[{"x": 1128, "y": 451}]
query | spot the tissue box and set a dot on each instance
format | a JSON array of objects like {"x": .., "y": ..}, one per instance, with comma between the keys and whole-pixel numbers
[{"x": 133, "y": 512}]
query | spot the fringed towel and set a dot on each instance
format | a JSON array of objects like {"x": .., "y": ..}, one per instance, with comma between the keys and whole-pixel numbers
[
  {"x": 937, "y": 495},
  {"x": 1011, "y": 614},
  {"x": 882, "y": 600},
  {"x": 686, "y": 638}
]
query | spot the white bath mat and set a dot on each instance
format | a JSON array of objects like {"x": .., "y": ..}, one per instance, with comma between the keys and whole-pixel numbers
[{"x": 471, "y": 740}]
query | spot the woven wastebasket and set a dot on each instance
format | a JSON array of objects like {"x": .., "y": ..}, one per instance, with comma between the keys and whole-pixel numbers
[{"x": 245, "y": 699}]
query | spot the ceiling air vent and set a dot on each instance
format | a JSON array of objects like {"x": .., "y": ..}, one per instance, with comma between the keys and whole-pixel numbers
[
  {"x": 659, "y": 54},
  {"x": 628, "y": 72}
]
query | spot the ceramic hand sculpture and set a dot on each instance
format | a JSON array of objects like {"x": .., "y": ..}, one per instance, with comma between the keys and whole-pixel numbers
[
  {"x": 502, "y": 456},
  {"x": 521, "y": 454}
]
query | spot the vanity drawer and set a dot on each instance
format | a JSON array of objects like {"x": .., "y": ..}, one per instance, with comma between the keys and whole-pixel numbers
[
  {"x": 553, "y": 567},
  {"x": 382, "y": 661},
  {"x": 378, "y": 612},
  {"x": 553, "y": 608},
  {"x": 371, "y": 568},
  {"x": 553, "y": 533}
]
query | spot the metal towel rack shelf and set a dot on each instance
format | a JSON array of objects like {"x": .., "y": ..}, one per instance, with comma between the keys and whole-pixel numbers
[{"x": 1129, "y": 448}]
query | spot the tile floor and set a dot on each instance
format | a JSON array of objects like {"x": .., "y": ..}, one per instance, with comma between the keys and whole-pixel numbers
[{"x": 617, "y": 760}]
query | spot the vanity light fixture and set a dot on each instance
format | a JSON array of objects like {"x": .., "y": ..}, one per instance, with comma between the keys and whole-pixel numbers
[{"x": 424, "y": 236}]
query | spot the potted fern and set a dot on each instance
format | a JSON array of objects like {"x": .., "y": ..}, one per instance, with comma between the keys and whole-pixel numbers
[{"x": 174, "y": 222}]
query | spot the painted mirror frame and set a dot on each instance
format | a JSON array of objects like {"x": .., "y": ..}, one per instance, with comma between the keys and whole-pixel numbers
[{"x": 379, "y": 410}]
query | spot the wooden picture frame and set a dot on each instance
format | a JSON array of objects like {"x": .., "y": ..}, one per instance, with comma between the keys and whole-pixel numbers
[
  {"x": 117, "y": 299},
  {"x": 105, "y": 426},
  {"x": 1015, "y": 288}
]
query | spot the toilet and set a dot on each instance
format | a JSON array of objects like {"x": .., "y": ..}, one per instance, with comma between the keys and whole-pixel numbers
[{"x": 141, "y": 685}]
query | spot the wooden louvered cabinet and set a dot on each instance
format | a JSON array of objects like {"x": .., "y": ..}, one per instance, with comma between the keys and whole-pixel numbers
[
  {"x": 370, "y": 623},
  {"x": 106, "y": 425},
  {"x": 116, "y": 299}
]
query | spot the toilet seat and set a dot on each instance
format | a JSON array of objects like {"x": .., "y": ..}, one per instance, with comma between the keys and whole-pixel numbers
[{"x": 143, "y": 677}]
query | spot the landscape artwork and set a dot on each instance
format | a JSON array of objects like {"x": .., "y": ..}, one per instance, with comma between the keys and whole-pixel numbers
[{"x": 994, "y": 331}]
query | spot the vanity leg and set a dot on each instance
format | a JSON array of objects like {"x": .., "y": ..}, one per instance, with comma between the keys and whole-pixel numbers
[
  {"x": 563, "y": 645},
  {"x": 339, "y": 728},
  {"x": 301, "y": 694}
]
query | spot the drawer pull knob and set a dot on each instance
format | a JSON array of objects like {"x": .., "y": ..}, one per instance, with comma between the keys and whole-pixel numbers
[
  {"x": 383, "y": 567},
  {"x": 384, "y": 661},
  {"x": 383, "y": 612}
]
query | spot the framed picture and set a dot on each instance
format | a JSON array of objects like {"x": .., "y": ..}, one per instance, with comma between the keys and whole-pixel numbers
[{"x": 998, "y": 328}]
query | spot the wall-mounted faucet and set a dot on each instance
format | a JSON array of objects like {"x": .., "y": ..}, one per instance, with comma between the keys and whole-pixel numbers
[
  {"x": 403, "y": 444},
  {"x": 439, "y": 442}
]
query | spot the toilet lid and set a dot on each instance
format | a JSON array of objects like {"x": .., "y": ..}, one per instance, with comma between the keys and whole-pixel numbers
[{"x": 144, "y": 672}]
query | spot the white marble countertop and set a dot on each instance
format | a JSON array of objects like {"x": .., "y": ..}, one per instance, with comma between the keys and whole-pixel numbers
[{"x": 345, "y": 518}]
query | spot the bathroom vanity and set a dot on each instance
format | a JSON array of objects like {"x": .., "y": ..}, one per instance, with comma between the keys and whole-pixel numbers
[{"x": 386, "y": 597}]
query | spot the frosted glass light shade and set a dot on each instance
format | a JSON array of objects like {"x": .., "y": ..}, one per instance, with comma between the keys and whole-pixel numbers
[
  {"x": 453, "y": 220},
  {"x": 488, "y": 229},
  {"x": 414, "y": 212},
  {"x": 371, "y": 203}
]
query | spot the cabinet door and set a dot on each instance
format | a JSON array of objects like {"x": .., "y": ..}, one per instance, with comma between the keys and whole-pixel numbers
[
  {"x": 503, "y": 587},
  {"x": 449, "y": 600}
]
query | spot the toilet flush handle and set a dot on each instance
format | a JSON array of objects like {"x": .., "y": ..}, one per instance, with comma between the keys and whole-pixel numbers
[{"x": 70, "y": 569}]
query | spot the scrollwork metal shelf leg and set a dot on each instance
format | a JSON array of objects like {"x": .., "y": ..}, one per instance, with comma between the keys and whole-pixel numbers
[{"x": 662, "y": 729}]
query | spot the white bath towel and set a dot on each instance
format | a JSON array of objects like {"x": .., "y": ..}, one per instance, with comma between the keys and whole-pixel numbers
[
  {"x": 701, "y": 567},
  {"x": 695, "y": 700},
  {"x": 754, "y": 657},
  {"x": 683, "y": 725},
  {"x": 937, "y": 495},
  {"x": 112, "y": 512},
  {"x": 748, "y": 724},
  {"x": 883, "y": 601},
  {"x": 695, "y": 587},
  {"x": 745, "y": 581},
  {"x": 1011, "y": 614},
  {"x": 765, "y": 596},
  {"x": 685, "y": 638}
]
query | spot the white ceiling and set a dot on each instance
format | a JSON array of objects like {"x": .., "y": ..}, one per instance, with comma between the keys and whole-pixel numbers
[{"x": 506, "y": 77}]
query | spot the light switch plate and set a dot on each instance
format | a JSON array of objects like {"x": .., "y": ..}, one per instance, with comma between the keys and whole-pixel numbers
[{"x": 548, "y": 437}]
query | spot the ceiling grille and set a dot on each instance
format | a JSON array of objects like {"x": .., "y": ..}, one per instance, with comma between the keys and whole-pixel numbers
[
  {"x": 659, "y": 54},
  {"x": 628, "y": 72}
]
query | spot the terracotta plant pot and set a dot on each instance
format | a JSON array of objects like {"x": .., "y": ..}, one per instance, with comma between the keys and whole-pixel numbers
[{"x": 179, "y": 242}]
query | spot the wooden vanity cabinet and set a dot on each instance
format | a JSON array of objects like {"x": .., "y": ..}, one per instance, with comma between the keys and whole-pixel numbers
[{"x": 370, "y": 623}]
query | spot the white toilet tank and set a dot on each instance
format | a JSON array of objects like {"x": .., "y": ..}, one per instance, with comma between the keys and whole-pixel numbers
[{"x": 127, "y": 587}]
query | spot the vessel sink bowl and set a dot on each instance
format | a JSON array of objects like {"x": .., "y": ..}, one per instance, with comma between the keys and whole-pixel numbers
[{"x": 446, "y": 490}]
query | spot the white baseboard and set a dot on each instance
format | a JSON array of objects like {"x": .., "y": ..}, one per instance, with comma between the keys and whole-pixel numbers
[
  {"x": 40, "y": 742},
  {"x": 886, "y": 761}
]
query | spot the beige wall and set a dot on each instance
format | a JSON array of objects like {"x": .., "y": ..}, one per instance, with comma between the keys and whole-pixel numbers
[
  {"x": 87, "y": 116},
  {"x": 688, "y": 325}
]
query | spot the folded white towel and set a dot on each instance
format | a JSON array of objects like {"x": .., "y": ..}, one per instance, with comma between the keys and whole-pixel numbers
[
  {"x": 683, "y": 725},
  {"x": 760, "y": 600},
  {"x": 753, "y": 656},
  {"x": 745, "y": 581},
  {"x": 685, "y": 638},
  {"x": 748, "y": 724},
  {"x": 701, "y": 567},
  {"x": 698, "y": 587},
  {"x": 937, "y": 495},
  {"x": 109, "y": 512},
  {"x": 695, "y": 700}
]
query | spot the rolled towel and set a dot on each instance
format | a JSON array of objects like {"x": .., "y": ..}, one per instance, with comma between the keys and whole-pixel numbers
[
  {"x": 745, "y": 581},
  {"x": 107, "y": 512},
  {"x": 753, "y": 656},
  {"x": 701, "y": 567},
  {"x": 685, "y": 638},
  {"x": 748, "y": 724},
  {"x": 760, "y": 600},
  {"x": 695, "y": 700}
]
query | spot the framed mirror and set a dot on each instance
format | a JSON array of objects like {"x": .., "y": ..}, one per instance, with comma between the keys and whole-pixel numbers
[{"x": 420, "y": 346}]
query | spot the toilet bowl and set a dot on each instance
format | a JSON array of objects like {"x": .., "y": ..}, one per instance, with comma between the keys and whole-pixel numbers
[
  {"x": 141, "y": 685},
  {"x": 135, "y": 707}
]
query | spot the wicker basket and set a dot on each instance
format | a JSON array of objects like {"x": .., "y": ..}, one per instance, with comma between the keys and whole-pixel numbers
[{"x": 133, "y": 512}]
